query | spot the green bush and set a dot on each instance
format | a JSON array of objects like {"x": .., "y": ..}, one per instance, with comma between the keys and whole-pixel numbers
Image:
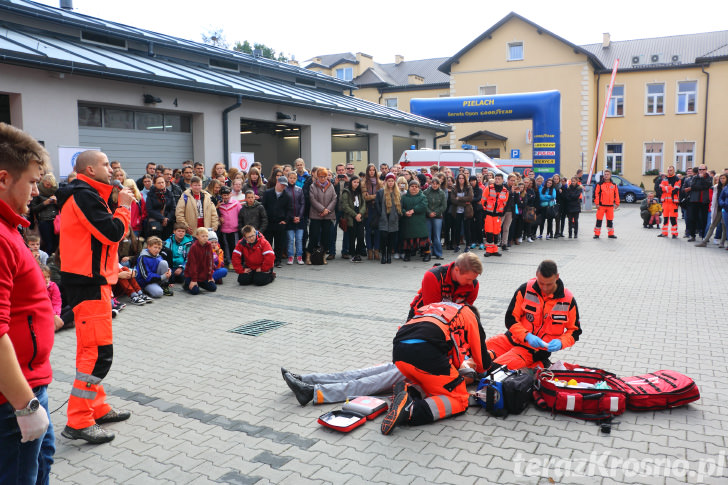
[{"x": 654, "y": 171}]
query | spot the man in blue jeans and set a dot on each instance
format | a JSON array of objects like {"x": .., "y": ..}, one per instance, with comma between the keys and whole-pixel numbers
[{"x": 27, "y": 443}]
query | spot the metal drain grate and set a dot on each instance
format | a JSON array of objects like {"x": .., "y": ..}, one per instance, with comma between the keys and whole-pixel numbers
[{"x": 258, "y": 327}]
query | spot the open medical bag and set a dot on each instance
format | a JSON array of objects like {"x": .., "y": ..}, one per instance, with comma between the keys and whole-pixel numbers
[
  {"x": 582, "y": 400},
  {"x": 598, "y": 394},
  {"x": 353, "y": 414}
]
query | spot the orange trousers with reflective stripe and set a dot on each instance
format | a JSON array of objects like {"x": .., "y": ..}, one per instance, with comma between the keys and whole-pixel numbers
[
  {"x": 492, "y": 229},
  {"x": 94, "y": 352},
  {"x": 669, "y": 214},
  {"x": 442, "y": 402},
  {"x": 601, "y": 212},
  {"x": 505, "y": 353}
]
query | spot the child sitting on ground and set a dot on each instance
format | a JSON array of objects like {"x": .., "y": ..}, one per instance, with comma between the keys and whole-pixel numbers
[
  {"x": 655, "y": 209},
  {"x": 198, "y": 271},
  {"x": 179, "y": 245},
  {"x": 34, "y": 245},
  {"x": 152, "y": 271},
  {"x": 128, "y": 285},
  {"x": 218, "y": 259}
]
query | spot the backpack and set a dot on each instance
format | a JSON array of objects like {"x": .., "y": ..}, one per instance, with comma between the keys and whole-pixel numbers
[
  {"x": 317, "y": 256},
  {"x": 505, "y": 391},
  {"x": 663, "y": 389}
]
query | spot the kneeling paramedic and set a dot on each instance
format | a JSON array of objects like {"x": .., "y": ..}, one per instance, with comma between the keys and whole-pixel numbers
[
  {"x": 542, "y": 318},
  {"x": 429, "y": 350}
]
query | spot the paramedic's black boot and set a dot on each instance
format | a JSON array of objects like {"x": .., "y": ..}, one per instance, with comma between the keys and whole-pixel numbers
[
  {"x": 285, "y": 371},
  {"x": 399, "y": 412},
  {"x": 303, "y": 391},
  {"x": 93, "y": 434}
]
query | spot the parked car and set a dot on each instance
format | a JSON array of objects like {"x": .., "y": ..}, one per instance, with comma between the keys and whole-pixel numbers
[{"x": 628, "y": 192}]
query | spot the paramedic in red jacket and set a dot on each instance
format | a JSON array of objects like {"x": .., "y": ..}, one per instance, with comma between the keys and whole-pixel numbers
[
  {"x": 495, "y": 198},
  {"x": 90, "y": 235},
  {"x": 253, "y": 258},
  {"x": 542, "y": 318},
  {"x": 430, "y": 350},
  {"x": 27, "y": 443},
  {"x": 606, "y": 198},
  {"x": 456, "y": 282}
]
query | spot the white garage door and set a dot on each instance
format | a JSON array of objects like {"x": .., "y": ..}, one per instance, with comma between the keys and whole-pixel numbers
[{"x": 135, "y": 148}]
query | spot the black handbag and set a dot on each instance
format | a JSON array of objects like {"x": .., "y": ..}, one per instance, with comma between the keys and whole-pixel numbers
[
  {"x": 153, "y": 228},
  {"x": 552, "y": 211},
  {"x": 529, "y": 216}
]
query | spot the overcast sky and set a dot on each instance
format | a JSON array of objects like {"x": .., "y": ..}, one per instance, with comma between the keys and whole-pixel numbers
[{"x": 417, "y": 30}]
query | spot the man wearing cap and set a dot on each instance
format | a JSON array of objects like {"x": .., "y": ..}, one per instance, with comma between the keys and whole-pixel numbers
[{"x": 277, "y": 204}]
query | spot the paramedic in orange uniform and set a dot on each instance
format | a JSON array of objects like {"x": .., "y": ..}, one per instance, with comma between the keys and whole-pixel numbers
[
  {"x": 429, "y": 350},
  {"x": 542, "y": 318},
  {"x": 90, "y": 236},
  {"x": 668, "y": 193},
  {"x": 495, "y": 198},
  {"x": 606, "y": 198}
]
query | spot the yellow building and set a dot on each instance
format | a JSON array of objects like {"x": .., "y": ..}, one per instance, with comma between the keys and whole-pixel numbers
[{"x": 668, "y": 106}]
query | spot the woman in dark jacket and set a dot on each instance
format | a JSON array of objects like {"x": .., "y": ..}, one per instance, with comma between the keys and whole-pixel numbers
[
  {"x": 530, "y": 205},
  {"x": 45, "y": 209},
  {"x": 354, "y": 208},
  {"x": 476, "y": 223},
  {"x": 560, "y": 188},
  {"x": 461, "y": 208},
  {"x": 572, "y": 205},
  {"x": 160, "y": 209}
]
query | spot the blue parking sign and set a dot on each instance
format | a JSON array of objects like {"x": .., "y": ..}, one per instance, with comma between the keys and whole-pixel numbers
[{"x": 515, "y": 153}]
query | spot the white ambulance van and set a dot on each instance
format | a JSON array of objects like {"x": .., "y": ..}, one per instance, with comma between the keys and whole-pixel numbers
[{"x": 471, "y": 159}]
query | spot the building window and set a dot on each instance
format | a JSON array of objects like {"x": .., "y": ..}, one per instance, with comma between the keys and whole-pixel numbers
[
  {"x": 653, "y": 158},
  {"x": 126, "y": 119},
  {"x": 487, "y": 90},
  {"x": 684, "y": 155},
  {"x": 390, "y": 102},
  {"x": 614, "y": 157},
  {"x": 119, "y": 119},
  {"x": 345, "y": 73},
  {"x": 515, "y": 51},
  {"x": 616, "y": 102},
  {"x": 686, "y": 93},
  {"x": 655, "y": 99}
]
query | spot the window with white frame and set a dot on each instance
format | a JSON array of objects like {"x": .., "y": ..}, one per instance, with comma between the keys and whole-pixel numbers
[
  {"x": 614, "y": 157},
  {"x": 686, "y": 94},
  {"x": 653, "y": 157},
  {"x": 616, "y": 102},
  {"x": 684, "y": 155},
  {"x": 487, "y": 90},
  {"x": 655, "y": 99},
  {"x": 515, "y": 51},
  {"x": 390, "y": 102},
  {"x": 345, "y": 73}
]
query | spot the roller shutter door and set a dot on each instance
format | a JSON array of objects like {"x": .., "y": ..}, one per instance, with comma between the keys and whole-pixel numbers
[{"x": 134, "y": 148}]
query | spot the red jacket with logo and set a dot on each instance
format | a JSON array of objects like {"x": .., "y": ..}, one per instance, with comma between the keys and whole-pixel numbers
[
  {"x": 438, "y": 285},
  {"x": 547, "y": 317},
  {"x": 26, "y": 313},
  {"x": 253, "y": 256}
]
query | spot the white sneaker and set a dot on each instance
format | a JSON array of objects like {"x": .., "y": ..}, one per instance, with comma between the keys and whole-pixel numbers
[
  {"x": 396, "y": 255},
  {"x": 290, "y": 260},
  {"x": 299, "y": 260},
  {"x": 137, "y": 300},
  {"x": 530, "y": 240},
  {"x": 520, "y": 240}
]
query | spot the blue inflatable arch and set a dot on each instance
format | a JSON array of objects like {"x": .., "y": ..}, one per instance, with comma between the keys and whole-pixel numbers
[{"x": 544, "y": 108}]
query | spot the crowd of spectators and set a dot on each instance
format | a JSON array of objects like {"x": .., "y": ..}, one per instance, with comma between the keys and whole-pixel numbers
[{"x": 187, "y": 227}]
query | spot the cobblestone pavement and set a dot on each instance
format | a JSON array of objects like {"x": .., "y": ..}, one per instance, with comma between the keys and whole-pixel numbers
[{"x": 210, "y": 406}]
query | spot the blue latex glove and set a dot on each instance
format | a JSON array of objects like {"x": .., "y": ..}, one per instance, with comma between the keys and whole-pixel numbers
[
  {"x": 554, "y": 345},
  {"x": 534, "y": 341}
]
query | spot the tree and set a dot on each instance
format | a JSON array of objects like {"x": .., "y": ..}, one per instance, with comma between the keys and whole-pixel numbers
[
  {"x": 215, "y": 37},
  {"x": 265, "y": 51}
]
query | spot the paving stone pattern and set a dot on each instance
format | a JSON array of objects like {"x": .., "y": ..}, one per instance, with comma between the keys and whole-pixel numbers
[{"x": 210, "y": 406}]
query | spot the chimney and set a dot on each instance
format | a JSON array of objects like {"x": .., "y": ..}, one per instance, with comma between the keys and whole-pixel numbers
[
  {"x": 606, "y": 40},
  {"x": 398, "y": 58},
  {"x": 67, "y": 4}
]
